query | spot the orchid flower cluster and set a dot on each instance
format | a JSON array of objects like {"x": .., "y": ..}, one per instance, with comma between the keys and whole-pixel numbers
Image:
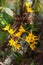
[{"x": 31, "y": 39}]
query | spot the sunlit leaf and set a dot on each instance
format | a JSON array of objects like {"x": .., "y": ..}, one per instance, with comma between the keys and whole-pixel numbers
[{"x": 9, "y": 11}]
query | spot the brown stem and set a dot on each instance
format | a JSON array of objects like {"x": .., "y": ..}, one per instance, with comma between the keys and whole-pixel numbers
[{"x": 21, "y": 8}]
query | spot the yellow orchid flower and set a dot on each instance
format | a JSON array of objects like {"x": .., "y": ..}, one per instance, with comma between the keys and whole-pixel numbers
[
  {"x": 18, "y": 34},
  {"x": 31, "y": 38},
  {"x": 11, "y": 31},
  {"x": 21, "y": 29},
  {"x": 28, "y": 7},
  {"x": 11, "y": 41},
  {"x": 17, "y": 46},
  {"x": 29, "y": 10},
  {"x": 6, "y": 27},
  {"x": 32, "y": 46},
  {"x": 27, "y": 4},
  {"x": 14, "y": 44}
]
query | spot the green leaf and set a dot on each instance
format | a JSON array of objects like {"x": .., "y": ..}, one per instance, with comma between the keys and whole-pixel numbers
[
  {"x": 17, "y": 56},
  {"x": 3, "y": 22},
  {"x": 3, "y": 37},
  {"x": 2, "y": 2},
  {"x": 9, "y": 11},
  {"x": 27, "y": 27},
  {"x": 20, "y": 57},
  {"x": 37, "y": 8},
  {"x": 7, "y": 17},
  {"x": 16, "y": 8},
  {"x": 3, "y": 54}
]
